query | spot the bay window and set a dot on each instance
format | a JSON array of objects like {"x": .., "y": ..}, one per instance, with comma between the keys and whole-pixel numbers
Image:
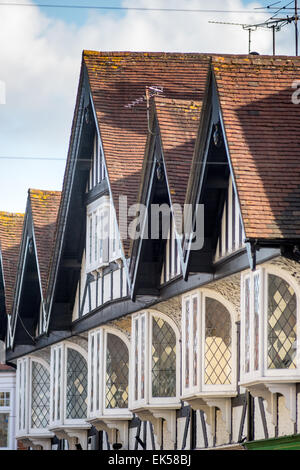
[
  {"x": 208, "y": 345},
  {"x": 33, "y": 384},
  {"x": 68, "y": 388},
  {"x": 155, "y": 357},
  {"x": 108, "y": 374},
  {"x": 269, "y": 326}
]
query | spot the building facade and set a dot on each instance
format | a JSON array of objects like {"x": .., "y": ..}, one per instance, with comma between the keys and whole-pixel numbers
[{"x": 156, "y": 299}]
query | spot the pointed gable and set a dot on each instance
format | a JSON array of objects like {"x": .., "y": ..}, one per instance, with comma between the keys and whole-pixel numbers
[
  {"x": 118, "y": 82},
  {"x": 44, "y": 208},
  {"x": 262, "y": 127},
  {"x": 178, "y": 122},
  {"x": 11, "y": 226}
]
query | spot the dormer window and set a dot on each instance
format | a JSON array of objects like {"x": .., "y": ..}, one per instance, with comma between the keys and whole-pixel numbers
[{"x": 102, "y": 241}]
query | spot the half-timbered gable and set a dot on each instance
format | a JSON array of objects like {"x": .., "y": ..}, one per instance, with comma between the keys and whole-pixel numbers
[
  {"x": 28, "y": 316},
  {"x": 157, "y": 258},
  {"x": 11, "y": 226}
]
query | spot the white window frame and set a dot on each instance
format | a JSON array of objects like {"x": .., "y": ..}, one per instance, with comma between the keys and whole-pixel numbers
[
  {"x": 24, "y": 395},
  {"x": 7, "y": 409},
  {"x": 98, "y": 373},
  {"x": 263, "y": 373},
  {"x": 148, "y": 399},
  {"x": 46, "y": 366},
  {"x": 102, "y": 207},
  {"x": 201, "y": 388},
  {"x": 61, "y": 393}
]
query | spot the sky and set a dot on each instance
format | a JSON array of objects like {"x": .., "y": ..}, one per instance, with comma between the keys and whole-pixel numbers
[{"x": 40, "y": 57}]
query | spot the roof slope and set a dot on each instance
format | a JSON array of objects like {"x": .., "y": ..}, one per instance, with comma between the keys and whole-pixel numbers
[
  {"x": 118, "y": 82},
  {"x": 11, "y": 226},
  {"x": 178, "y": 122},
  {"x": 44, "y": 207},
  {"x": 262, "y": 127}
]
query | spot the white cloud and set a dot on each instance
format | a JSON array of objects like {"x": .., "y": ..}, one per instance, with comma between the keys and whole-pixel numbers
[{"x": 40, "y": 61}]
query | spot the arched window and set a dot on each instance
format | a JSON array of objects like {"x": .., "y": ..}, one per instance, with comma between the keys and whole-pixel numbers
[
  {"x": 268, "y": 325},
  {"x": 154, "y": 358},
  {"x": 76, "y": 385},
  {"x": 40, "y": 395},
  {"x": 117, "y": 370},
  {"x": 218, "y": 364},
  {"x": 208, "y": 335},
  {"x": 68, "y": 387},
  {"x": 108, "y": 373}
]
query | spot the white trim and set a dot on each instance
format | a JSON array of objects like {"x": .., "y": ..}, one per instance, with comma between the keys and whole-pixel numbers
[{"x": 263, "y": 374}]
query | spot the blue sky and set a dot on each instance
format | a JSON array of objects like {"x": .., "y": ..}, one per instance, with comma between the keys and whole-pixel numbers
[{"x": 40, "y": 55}]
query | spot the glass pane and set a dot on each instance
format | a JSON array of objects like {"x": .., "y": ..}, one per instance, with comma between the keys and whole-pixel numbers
[
  {"x": 40, "y": 396},
  {"x": 117, "y": 368},
  {"x": 247, "y": 325},
  {"x": 76, "y": 385},
  {"x": 163, "y": 359},
  {"x": 195, "y": 340},
  {"x": 187, "y": 344},
  {"x": 93, "y": 338},
  {"x": 256, "y": 322},
  {"x": 4, "y": 429},
  {"x": 98, "y": 369},
  {"x": 143, "y": 345},
  {"x": 4, "y": 398},
  {"x": 217, "y": 343},
  {"x": 136, "y": 359},
  {"x": 59, "y": 366},
  {"x": 282, "y": 318}
]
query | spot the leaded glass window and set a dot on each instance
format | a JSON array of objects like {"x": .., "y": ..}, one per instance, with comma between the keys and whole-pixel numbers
[
  {"x": 218, "y": 366},
  {"x": 40, "y": 396},
  {"x": 76, "y": 382},
  {"x": 117, "y": 369},
  {"x": 163, "y": 359},
  {"x": 4, "y": 418},
  {"x": 195, "y": 341},
  {"x": 282, "y": 319}
]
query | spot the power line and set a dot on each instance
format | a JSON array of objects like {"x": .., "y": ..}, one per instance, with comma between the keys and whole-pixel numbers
[{"x": 144, "y": 9}]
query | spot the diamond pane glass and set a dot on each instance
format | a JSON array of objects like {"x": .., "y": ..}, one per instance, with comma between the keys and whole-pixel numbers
[
  {"x": 40, "y": 396},
  {"x": 143, "y": 345},
  {"x": 4, "y": 429},
  {"x": 282, "y": 319},
  {"x": 163, "y": 359},
  {"x": 217, "y": 343},
  {"x": 76, "y": 385},
  {"x": 117, "y": 368}
]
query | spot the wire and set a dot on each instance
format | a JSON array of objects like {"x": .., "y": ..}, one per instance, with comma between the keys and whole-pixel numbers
[{"x": 144, "y": 9}]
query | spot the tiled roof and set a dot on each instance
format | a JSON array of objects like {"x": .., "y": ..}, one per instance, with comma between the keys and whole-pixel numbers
[
  {"x": 44, "y": 206},
  {"x": 11, "y": 226},
  {"x": 178, "y": 122},
  {"x": 262, "y": 128},
  {"x": 6, "y": 368},
  {"x": 118, "y": 82}
]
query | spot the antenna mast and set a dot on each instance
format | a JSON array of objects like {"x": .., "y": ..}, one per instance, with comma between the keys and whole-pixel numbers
[{"x": 273, "y": 23}]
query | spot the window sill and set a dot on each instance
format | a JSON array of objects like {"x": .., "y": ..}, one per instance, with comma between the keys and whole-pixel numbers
[{"x": 73, "y": 433}]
